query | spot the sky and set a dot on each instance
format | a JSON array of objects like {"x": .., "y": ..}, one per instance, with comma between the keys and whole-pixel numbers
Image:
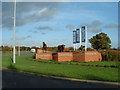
[{"x": 54, "y": 22}]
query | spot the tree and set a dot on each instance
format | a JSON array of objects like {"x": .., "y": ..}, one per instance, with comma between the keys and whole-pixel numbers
[
  {"x": 17, "y": 48},
  {"x": 28, "y": 48},
  {"x": 23, "y": 48},
  {"x": 100, "y": 41},
  {"x": 6, "y": 48},
  {"x": 34, "y": 47}
]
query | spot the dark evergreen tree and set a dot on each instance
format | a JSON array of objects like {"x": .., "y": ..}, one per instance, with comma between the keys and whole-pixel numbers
[{"x": 100, "y": 41}]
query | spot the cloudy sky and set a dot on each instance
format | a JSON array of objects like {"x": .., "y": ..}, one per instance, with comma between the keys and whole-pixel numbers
[{"x": 54, "y": 22}]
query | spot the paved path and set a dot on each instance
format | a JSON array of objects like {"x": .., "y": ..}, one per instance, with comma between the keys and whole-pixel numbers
[{"x": 12, "y": 79}]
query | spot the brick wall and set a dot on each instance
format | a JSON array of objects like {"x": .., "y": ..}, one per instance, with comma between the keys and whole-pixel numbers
[
  {"x": 47, "y": 56},
  {"x": 39, "y": 51},
  {"x": 95, "y": 56},
  {"x": 55, "y": 56},
  {"x": 63, "y": 56},
  {"x": 79, "y": 56},
  {"x": 86, "y": 56}
]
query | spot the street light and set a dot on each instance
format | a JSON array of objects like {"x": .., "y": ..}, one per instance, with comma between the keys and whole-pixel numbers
[
  {"x": 18, "y": 50},
  {"x": 14, "y": 59}
]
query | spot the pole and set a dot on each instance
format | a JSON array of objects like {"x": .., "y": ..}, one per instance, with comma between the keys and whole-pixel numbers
[
  {"x": 80, "y": 37},
  {"x": 19, "y": 51},
  {"x": 74, "y": 46},
  {"x": 77, "y": 46},
  {"x": 85, "y": 38},
  {"x": 14, "y": 59}
]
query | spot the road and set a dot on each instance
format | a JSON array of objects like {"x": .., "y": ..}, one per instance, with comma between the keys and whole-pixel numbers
[{"x": 12, "y": 79}]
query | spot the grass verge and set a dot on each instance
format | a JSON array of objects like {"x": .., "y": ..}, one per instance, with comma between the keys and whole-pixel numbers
[
  {"x": 27, "y": 63},
  {"x": 114, "y": 64},
  {"x": 11, "y": 52}
]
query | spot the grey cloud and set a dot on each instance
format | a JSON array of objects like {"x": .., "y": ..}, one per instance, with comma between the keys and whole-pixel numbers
[
  {"x": 95, "y": 30},
  {"x": 42, "y": 15},
  {"x": 45, "y": 28},
  {"x": 29, "y": 36},
  {"x": 23, "y": 38},
  {"x": 70, "y": 26},
  {"x": 7, "y": 14},
  {"x": 96, "y": 23},
  {"x": 28, "y": 12},
  {"x": 41, "y": 29},
  {"x": 33, "y": 31},
  {"x": 111, "y": 26},
  {"x": 43, "y": 33},
  {"x": 86, "y": 24},
  {"x": 93, "y": 27}
]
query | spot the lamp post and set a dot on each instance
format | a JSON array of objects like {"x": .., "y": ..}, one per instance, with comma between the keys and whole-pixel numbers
[
  {"x": 19, "y": 51},
  {"x": 14, "y": 59}
]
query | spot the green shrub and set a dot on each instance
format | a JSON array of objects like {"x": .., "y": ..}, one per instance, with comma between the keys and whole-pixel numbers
[{"x": 110, "y": 55}]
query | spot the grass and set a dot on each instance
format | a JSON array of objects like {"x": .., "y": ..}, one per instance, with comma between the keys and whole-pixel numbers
[
  {"x": 6, "y": 52},
  {"x": 27, "y": 63},
  {"x": 103, "y": 63},
  {"x": 11, "y": 52}
]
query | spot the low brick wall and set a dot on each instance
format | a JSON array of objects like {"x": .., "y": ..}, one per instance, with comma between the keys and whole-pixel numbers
[
  {"x": 47, "y": 56},
  {"x": 39, "y": 51},
  {"x": 55, "y": 56},
  {"x": 86, "y": 56},
  {"x": 63, "y": 56},
  {"x": 79, "y": 56}
]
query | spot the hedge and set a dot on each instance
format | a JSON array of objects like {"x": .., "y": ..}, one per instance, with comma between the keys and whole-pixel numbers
[{"x": 110, "y": 55}]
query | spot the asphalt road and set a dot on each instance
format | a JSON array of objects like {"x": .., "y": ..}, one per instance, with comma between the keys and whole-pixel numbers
[{"x": 12, "y": 79}]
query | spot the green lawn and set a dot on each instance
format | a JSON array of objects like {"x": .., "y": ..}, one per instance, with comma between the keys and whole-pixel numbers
[
  {"x": 103, "y": 63},
  {"x": 6, "y": 52},
  {"x": 27, "y": 63},
  {"x": 11, "y": 52}
]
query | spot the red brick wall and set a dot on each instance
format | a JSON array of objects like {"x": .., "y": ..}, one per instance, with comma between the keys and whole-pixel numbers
[
  {"x": 86, "y": 56},
  {"x": 39, "y": 51},
  {"x": 55, "y": 56},
  {"x": 95, "y": 57},
  {"x": 47, "y": 56},
  {"x": 77, "y": 56},
  {"x": 63, "y": 56}
]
